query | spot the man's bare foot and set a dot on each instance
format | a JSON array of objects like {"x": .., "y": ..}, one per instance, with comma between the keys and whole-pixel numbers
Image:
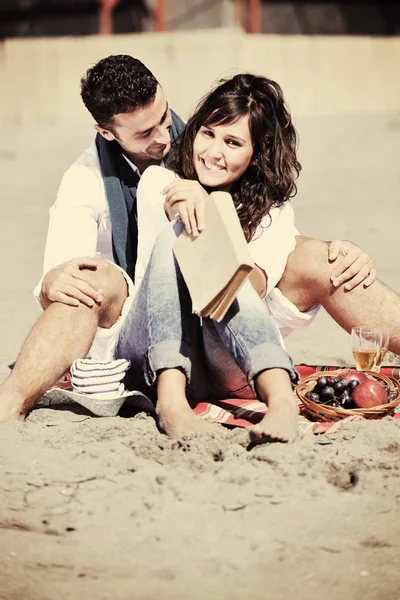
[
  {"x": 180, "y": 421},
  {"x": 279, "y": 424},
  {"x": 10, "y": 410}
]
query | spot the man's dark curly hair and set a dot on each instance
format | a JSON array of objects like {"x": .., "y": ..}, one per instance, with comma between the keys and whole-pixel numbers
[
  {"x": 270, "y": 178},
  {"x": 117, "y": 84}
]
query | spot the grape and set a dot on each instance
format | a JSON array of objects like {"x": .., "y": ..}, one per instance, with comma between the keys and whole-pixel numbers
[
  {"x": 321, "y": 383},
  {"x": 311, "y": 395},
  {"x": 332, "y": 402},
  {"x": 327, "y": 394},
  {"x": 340, "y": 386},
  {"x": 392, "y": 396},
  {"x": 346, "y": 400},
  {"x": 331, "y": 380},
  {"x": 353, "y": 383}
]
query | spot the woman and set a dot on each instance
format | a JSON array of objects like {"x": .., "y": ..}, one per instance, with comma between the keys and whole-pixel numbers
[{"x": 240, "y": 140}]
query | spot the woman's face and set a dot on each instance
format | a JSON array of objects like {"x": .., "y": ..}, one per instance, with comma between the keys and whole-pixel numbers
[{"x": 222, "y": 153}]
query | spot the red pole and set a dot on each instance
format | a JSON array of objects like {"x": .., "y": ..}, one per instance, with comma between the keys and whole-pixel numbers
[
  {"x": 255, "y": 16},
  {"x": 106, "y": 16},
  {"x": 160, "y": 20},
  {"x": 241, "y": 16}
]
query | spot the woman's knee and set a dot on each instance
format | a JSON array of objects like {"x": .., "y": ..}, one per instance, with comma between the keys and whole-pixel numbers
[{"x": 167, "y": 237}]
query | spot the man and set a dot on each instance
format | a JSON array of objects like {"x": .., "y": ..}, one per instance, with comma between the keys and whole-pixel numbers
[{"x": 96, "y": 212}]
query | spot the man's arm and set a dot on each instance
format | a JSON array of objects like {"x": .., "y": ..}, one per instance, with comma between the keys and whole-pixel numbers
[
  {"x": 271, "y": 250},
  {"x": 72, "y": 233},
  {"x": 353, "y": 265},
  {"x": 68, "y": 284}
]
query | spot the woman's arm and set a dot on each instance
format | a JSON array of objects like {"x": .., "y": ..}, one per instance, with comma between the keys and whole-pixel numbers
[
  {"x": 271, "y": 246},
  {"x": 186, "y": 198},
  {"x": 259, "y": 280}
]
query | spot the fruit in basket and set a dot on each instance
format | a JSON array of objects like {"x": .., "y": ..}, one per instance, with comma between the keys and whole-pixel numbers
[
  {"x": 369, "y": 393},
  {"x": 352, "y": 374},
  {"x": 321, "y": 383},
  {"x": 312, "y": 396},
  {"x": 353, "y": 383},
  {"x": 346, "y": 400},
  {"x": 327, "y": 394},
  {"x": 340, "y": 387},
  {"x": 352, "y": 389}
]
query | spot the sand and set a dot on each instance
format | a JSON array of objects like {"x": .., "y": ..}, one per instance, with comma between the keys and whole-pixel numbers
[{"x": 110, "y": 508}]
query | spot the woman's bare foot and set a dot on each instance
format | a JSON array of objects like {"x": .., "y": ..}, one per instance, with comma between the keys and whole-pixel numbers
[
  {"x": 174, "y": 415},
  {"x": 178, "y": 422},
  {"x": 279, "y": 424}
]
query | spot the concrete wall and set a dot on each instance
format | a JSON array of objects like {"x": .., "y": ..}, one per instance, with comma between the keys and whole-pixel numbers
[{"x": 39, "y": 77}]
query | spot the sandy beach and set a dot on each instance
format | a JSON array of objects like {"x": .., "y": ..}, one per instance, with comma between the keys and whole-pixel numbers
[{"x": 109, "y": 508}]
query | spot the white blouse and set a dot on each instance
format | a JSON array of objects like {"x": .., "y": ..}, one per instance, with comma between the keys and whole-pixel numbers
[
  {"x": 269, "y": 249},
  {"x": 80, "y": 223}
]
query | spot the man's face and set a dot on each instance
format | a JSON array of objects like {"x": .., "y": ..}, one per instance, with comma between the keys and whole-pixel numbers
[{"x": 144, "y": 133}]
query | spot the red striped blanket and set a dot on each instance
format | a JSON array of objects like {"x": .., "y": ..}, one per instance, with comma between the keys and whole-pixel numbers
[
  {"x": 248, "y": 411},
  {"x": 243, "y": 412}
]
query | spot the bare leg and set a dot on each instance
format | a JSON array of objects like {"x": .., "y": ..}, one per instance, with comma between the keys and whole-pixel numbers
[
  {"x": 280, "y": 422},
  {"x": 306, "y": 282},
  {"x": 61, "y": 335},
  {"x": 174, "y": 415}
]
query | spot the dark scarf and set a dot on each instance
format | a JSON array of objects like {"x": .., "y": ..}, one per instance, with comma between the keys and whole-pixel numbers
[{"x": 121, "y": 183}]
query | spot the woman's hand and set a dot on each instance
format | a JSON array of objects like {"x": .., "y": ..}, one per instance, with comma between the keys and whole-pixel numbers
[
  {"x": 354, "y": 266},
  {"x": 186, "y": 198},
  {"x": 259, "y": 281},
  {"x": 69, "y": 285}
]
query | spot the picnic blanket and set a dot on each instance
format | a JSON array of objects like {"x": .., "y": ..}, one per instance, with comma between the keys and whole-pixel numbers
[{"x": 233, "y": 412}]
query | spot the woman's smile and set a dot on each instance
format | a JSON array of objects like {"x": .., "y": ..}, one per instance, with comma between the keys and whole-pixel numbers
[{"x": 211, "y": 166}]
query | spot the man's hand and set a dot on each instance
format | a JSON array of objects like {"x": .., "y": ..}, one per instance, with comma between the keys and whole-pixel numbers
[
  {"x": 70, "y": 285},
  {"x": 354, "y": 266},
  {"x": 186, "y": 198}
]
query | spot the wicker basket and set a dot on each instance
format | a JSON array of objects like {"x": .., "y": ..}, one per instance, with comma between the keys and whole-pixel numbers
[{"x": 323, "y": 412}]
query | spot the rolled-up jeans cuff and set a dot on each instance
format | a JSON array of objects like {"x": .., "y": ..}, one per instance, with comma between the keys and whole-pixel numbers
[
  {"x": 277, "y": 358},
  {"x": 167, "y": 355}
]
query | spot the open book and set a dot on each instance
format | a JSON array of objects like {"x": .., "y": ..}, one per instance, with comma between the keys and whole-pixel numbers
[{"x": 216, "y": 263}]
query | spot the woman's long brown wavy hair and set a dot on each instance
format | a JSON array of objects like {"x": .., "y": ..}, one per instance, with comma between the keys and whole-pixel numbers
[{"x": 270, "y": 178}]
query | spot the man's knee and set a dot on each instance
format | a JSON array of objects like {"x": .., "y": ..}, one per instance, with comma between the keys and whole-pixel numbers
[
  {"x": 108, "y": 278},
  {"x": 114, "y": 287},
  {"x": 307, "y": 274},
  {"x": 309, "y": 262}
]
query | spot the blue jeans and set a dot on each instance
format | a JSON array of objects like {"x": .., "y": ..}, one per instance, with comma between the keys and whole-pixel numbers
[{"x": 218, "y": 359}]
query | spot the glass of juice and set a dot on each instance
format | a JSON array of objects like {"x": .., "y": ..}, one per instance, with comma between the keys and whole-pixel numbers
[
  {"x": 366, "y": 345},
  {"x": 384, "y": 349}
]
